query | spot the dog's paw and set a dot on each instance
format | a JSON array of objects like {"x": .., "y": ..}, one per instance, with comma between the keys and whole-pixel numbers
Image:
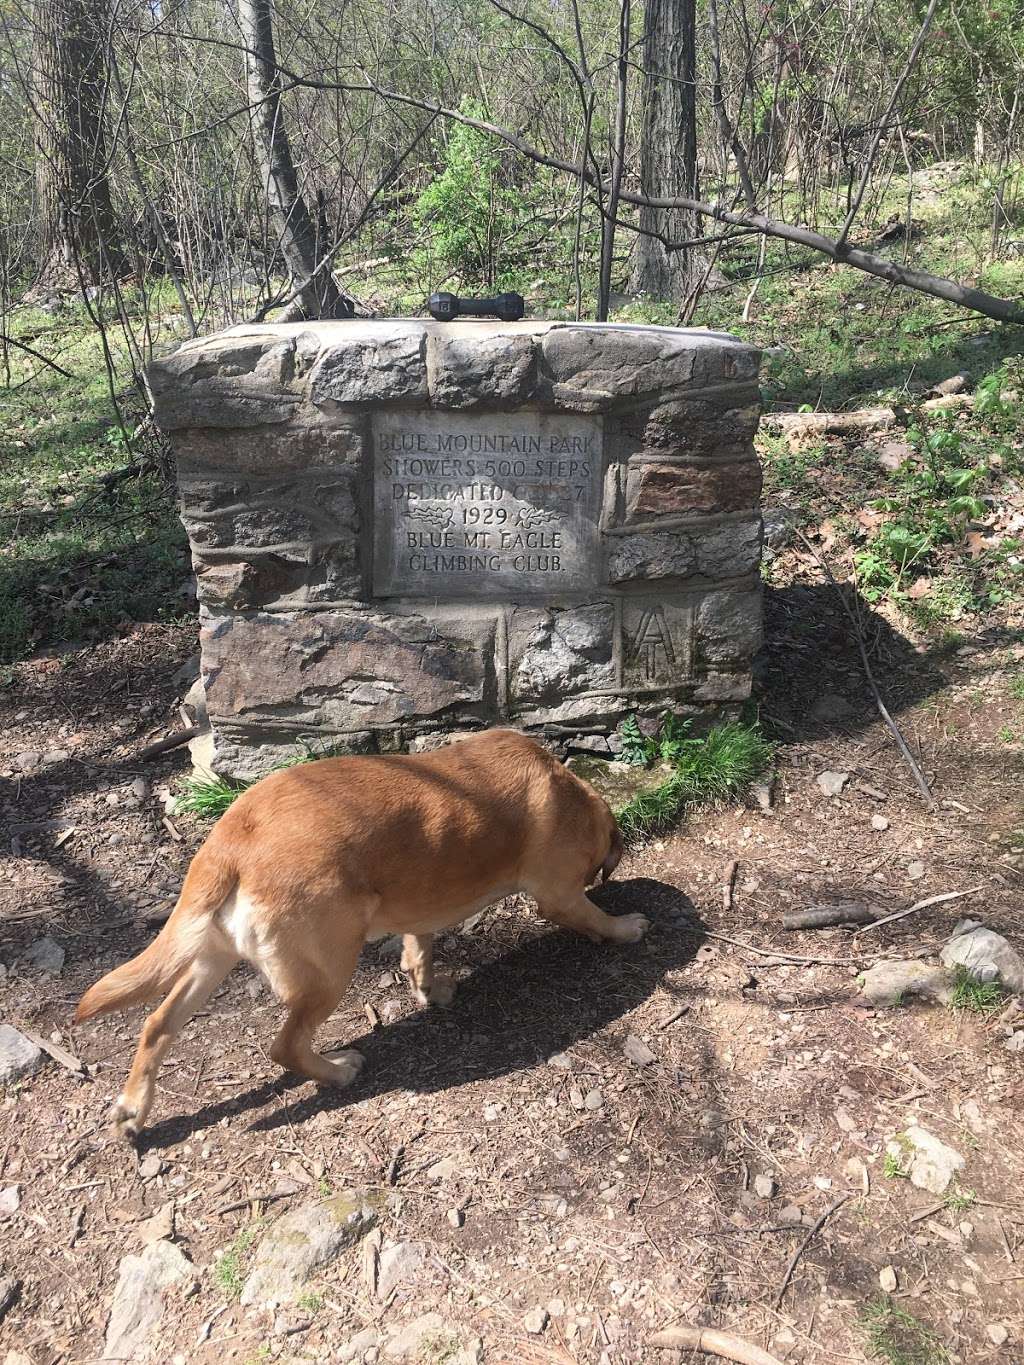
[
  {"x": 125, "y": 1120},
  {"x": 631, "y": 928},
  {"x": 346, "y": 1065}
]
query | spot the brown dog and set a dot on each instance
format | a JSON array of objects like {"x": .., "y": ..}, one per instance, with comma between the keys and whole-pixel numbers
[{"x": 314, "y": 860}]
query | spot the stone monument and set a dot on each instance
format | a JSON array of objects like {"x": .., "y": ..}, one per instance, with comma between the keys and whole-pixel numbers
[{"x": 406, "y": 528}]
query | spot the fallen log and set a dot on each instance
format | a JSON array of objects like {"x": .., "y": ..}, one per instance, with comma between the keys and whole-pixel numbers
[
  {"x": 825, "y": 916},
  {"x": 712, "y": 1343}
]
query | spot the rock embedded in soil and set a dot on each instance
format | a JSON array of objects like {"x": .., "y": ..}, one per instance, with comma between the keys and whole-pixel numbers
[
  {"x": 888, "y": 984},
  {"x": 300, "y": 1243},
  {"x": 10, "y": 1201},
  {"x": 536, "y": 1320},
  {"x": 997, "y": 1334},
  {"x": 619, "y": 782},
  {"x": 46, "y": 955},
  {"x": 19, "y": 1056},
  {"x": 879, "y": 823},
  {"x": 143, "y": 1285},
  {"x": 429, "y": 1337},
  {"x": 764, "y": 1186},
  {"x": 985, "y": 955},
  {"x": 887, "y": 1279},
  {"x": 932, "y": 1164},
  {"x": 356, "y": 1347},
  {"x": 408, "y": 1265}
]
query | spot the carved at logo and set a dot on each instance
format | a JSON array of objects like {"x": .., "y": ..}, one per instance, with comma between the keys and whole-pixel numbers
[{"x": 650, "y": 636}]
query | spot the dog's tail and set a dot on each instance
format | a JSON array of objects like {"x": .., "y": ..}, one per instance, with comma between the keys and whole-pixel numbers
[{"x": 208, "y": 884}]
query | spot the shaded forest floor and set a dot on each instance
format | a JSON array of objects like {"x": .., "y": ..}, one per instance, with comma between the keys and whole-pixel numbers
[{"x": 560, "y": 1210}]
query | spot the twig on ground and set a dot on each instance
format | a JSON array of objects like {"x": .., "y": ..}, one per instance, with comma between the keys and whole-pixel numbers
[
  {"x": 712, "y": 1343},
  {"x": 728, "y": 882},
  {"x": 897, "y": 734},
  {"x": 163, "y": 746},
  {"x": 66, "y": 1059},
  {"x": 923, "y": 905},
  {"x": 819, "y": 1224},
  {"x": 826, "y": 916},
  {"x": 780, "y": 953}
]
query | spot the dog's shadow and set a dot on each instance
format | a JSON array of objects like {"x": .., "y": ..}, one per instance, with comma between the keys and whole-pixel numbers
[{"x": 516, "y": 1008}]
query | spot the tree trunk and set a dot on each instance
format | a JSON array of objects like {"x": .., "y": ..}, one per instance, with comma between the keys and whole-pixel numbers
[
  {"x": 77, "y": 228},
  {"x": 669, "y": 150},
  {"x": 315, "y": 290}
]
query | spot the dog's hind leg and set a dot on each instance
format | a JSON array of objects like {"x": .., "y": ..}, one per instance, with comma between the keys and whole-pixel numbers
[
  {"x": 189, "y": 994},
  {"x": 577, "y": 911},
  {"x": 429, "y": 987},
  {"x": 311, "y": 991}
]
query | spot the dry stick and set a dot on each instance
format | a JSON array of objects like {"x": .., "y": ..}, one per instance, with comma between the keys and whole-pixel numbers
[
  {"x": 780, "y": 954},
  {"x": 923, "y": 905},
  {"x": 728, "y": 883},
  {"x": 836, "y": 1204},
  {"x": 827, "y": 916},
  {"x": 712, "y": 1343},
  {"x": 901, "y": 743},
  {"x": 162, "y": 746}
]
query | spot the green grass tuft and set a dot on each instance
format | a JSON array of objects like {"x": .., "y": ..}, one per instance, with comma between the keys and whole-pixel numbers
[
  {"x": 229, "y": 1270},
  {"x": 898, "y": 1338},
  {"x": 706, "y": 770},
  {"x": 977, "y": 996},
  {"x": 209, "y": 796}
]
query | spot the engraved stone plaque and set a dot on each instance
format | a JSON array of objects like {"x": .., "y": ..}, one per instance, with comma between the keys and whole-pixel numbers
[
  {"x": 657, "y": 642},
  {"x": 489, "y": 505}
]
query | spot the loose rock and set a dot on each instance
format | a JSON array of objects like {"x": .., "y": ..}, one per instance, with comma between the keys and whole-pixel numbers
[
  {"x": 832, "y": 783},
  {"x": 303, "y": 1241},
  {"x": 10, "y": 1201},
  {"x": 637, "y": 1051},
  {"x": 915, "y": 870},
  {"x": 986, "y": 955},
  {"x": 932, "y": 1164},
  {"x": 997, "y": 1334},
  {"x": 887, "y": 1279},
  {"x": 356, "y": 1347},
  {"x": 879, "y": 822},
  {"x": 536, "y": 1320},
  {"x": 143, "y": 1284},
  {"x": 764, "y": 1186},
  {"x": 19, "y": 1056}
]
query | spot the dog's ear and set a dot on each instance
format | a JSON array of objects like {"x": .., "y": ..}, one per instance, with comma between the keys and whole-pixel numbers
[{"x": 611, "y": 862}]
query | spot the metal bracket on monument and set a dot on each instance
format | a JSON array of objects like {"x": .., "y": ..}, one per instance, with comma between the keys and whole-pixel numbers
[{"x": 448, "y": 307}]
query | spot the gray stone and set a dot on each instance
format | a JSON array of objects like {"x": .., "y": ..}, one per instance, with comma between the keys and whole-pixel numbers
[
  {"x": 430, "y": 1337},
  {"x": 637, "y": 1051},
  {"x": 471, "y": 367},
  {"x": 888, "y": 984},
  {"x": 345, "y": 670},
  {"x": 46, "y": 955},
  {"x": 697, "y": 427},
  {"x": 382, "y": 363},
  {"x": 764, "y": 1186},
  {"x": 879, "y": 823},
  {"x": 590, "y": 367},
  {"x": 985, "y": 955},
  {"x": 27, "y": 761},
  {"x": 832, "y": 783},
  {"x": 997, "y": 1334},
  {"x": 10, "y": 1200},
  {"x": 593, "y": 1100},
  {"x": 536, "y": 1320},
  {"x": 356, "y": 1347},
  {"x": 887, "y": 1279},
  {"x": 556, "y": 653},
  {"x": 19, "y": 1056},
  {"x": 502, "y": 505},
  {"x": 729, "y": 626},
  {"x": 144, "y": 1283},
  {"x": 302, "y": 1242},
  {"x": 729, "y": 550},
  {"x": 408, "y": 1266},
  {"x": 218, "y": 382}
]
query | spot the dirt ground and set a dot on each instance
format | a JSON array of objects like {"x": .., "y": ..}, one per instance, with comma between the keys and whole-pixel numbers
[{"x": 560, "y": 1210}]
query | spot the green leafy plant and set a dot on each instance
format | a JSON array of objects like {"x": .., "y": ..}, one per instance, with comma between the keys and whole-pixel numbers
[
  {"x": 634, "y": 745},
  {"x": 893, "y": 1167}
]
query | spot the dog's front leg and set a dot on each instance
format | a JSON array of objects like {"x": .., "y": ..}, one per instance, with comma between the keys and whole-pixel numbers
[
  {"x": 580, "y": 913},
  {"x": 428, "y": 986}
]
